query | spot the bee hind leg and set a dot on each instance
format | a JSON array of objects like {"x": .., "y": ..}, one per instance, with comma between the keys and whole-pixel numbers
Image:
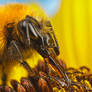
[{"x": 21, "y": 60}]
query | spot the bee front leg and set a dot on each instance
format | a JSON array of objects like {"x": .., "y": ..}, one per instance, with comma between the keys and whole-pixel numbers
[{"x": 21, "y": 60}]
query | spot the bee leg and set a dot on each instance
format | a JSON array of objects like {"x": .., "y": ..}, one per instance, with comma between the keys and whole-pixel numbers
[
  {"x": 22, "y": 62},
  {"x": 54, "y": 63},
  {"x": 60, "y": 70},
  {"x": 47, "y": 68},
  {"x": 4, "y": 76},
  {"x": 56, "y": 48}
]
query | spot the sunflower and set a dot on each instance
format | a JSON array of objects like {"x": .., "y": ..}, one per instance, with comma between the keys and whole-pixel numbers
[
  {"x": 73, "y": 28},
  {"x": 72, "y": 25}
]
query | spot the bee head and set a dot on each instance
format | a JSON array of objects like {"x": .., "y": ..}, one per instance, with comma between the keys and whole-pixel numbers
[{"x": 38, "y": 35}]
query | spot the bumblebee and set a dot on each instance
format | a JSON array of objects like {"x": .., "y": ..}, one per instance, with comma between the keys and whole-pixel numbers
[{"x": 22, "y": 32}]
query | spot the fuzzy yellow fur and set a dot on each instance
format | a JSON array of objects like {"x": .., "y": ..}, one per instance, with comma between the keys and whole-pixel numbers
[{"x": 14, "y": 13}]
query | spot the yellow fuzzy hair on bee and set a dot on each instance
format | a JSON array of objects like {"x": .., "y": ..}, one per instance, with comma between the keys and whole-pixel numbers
[{"x": 13, "y": 13}]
